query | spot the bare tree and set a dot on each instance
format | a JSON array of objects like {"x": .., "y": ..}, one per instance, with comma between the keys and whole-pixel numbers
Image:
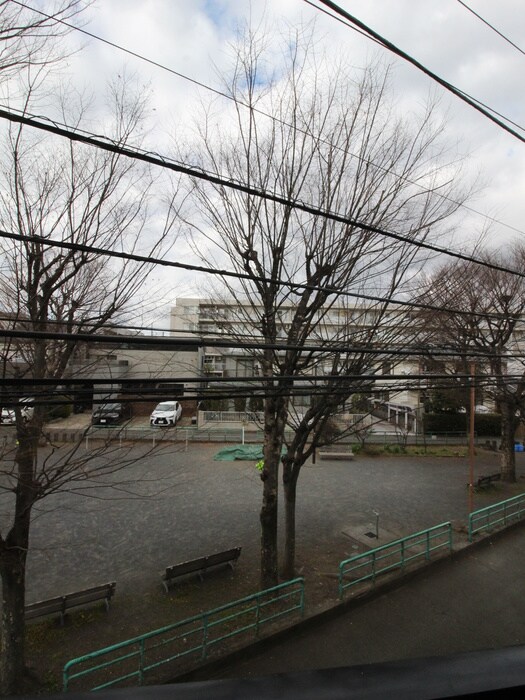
[
  {"x": 29, "y": 38},
  {"x": 61, "y": 192},
  {"x": 480, "y": 309},
  {"x": 333, "y": 141}
]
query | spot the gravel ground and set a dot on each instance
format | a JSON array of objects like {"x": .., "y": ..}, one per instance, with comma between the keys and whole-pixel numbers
[{"x": 170, "y": 505}]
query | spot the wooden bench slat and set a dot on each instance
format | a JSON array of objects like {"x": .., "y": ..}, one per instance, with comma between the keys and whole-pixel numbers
[
  {"x": 186, "y": 567},
  {"x": 487, "y": 480},
  {"x": 223, "y": 557},
  {"x": 44, "y": 607},
  {"x": 199, "y": 565},
  {"x": 63, "y": 603}
]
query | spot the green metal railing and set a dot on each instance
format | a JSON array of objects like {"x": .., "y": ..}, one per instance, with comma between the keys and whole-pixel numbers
[
  {"x": 501, "y": 513},
  {"x": 132, "y": 659},
  {"x": 394, "y": 555}
]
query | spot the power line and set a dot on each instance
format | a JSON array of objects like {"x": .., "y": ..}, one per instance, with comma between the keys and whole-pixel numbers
[
  {"x": 184, "y": 169},
  {"x": 254, "y": 378},
  {"x": 344, "y": 388},
  {"x": 257, "y": 110},
  {"x": 178, "y": 343},
  {"x": 476, "y": 104},
  {"x": 81, "y": 247},
  {"x": 491, "y": 26}
]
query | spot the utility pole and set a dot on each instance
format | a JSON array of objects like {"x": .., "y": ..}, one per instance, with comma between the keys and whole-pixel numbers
[{"x": 471, "y": 438}]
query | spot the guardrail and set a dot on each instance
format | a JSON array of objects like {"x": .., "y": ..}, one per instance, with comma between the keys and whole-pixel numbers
[
  {"x": 394, "y": 555},
  {"x": 132, "y": 659},
  {"x": 501, "y": 513}
]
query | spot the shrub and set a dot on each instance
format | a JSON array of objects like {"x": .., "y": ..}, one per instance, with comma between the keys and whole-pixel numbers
[
  {"x": 485, "y": 424},
  {"x": 59, "y": 410}
]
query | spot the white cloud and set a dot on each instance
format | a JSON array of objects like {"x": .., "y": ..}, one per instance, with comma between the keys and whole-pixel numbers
[{"x": 193, "y": 38}]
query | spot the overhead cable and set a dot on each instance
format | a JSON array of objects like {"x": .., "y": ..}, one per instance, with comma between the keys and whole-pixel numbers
[
  {"x": 184, "y": 169},
  {"x": 97, "y": 250},
  {"x": 476, "y": 104},
  {"x": 491, "y": 26},
  {"x": 258, "y": 110},
  {"x": 177, "y": 343}
]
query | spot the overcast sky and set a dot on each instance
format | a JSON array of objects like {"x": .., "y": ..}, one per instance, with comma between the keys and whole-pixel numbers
[{"x": 193, "y": 37}]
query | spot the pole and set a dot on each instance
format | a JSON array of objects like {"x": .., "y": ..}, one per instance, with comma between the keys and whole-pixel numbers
[
  {"x": 471, "y": 438},
  {"x": 376, "y": 513}
]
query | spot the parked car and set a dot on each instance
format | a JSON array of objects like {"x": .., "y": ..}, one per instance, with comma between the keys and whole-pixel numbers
[
  {"x": 8, "y": 416},
  {"x": 166, "y": 414},
  {"x": 110, "y": 414}
]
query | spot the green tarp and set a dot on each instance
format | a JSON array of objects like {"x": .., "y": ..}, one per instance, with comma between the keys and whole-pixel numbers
[{"x": 251, "y": 453}]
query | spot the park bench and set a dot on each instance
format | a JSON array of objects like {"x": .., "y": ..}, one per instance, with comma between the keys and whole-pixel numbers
[
  {"x": 199, "y": 566},
  {"x": 485, "y": 481},
  {"x": 61, "y": 604},
  {"x": 331, "y": 453}
]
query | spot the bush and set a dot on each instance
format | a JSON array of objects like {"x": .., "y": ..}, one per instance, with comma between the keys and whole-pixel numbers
[
  {"x": 487, "y": 424},
  {"x": 239, "y": 403},
  {"x": 395, "y": 449},
  {"x": 59, "y": 410}
]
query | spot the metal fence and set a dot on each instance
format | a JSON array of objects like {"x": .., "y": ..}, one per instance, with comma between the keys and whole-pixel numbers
[
  {"x": 231, "y": 417},
  {"x": 496, "y": 515},
  {"x": 128, "y": 662},
  {"x": 394, "y": 555}
]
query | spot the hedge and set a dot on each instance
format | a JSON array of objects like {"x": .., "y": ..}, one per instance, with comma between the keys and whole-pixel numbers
[{"x": 485, "y": 424}]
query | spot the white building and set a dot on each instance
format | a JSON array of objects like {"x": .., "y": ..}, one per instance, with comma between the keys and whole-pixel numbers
[{"x": 193, "y": 317}]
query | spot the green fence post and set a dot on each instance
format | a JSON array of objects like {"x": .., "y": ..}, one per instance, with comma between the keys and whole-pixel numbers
[
  {"x": 449, "y": 526},
  {"x": 427, "y": 550},
  {"x": 504, "y": 512},
  {"x": 302, "y": 598},
  {"x": 141, "y": 662},
  {"x": 257, "y": 615},
  {"x": 65, "y": 679},
  {"x": 402, "y": 555},
  {"x": 204, "y": 635}
]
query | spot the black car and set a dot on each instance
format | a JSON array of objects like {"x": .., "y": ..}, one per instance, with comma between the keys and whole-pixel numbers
[{"x": 110, "y": 414}]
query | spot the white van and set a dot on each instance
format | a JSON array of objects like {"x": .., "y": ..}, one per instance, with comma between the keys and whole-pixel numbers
[{"x": 166, "y": 414}]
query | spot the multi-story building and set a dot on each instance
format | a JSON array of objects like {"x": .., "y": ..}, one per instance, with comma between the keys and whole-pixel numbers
[{"x": 192, "y": 317}]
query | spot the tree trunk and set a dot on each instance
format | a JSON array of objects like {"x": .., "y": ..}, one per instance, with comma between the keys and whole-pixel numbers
[
  {"x": 268, "y": 517},
  {"x": 12, "y": 659},
  {"x": 269, "y": 508},
  {"x": 508, "y": 458},
  {"x": 13, "y": 554},
  {"x": 290, "y": 491}
]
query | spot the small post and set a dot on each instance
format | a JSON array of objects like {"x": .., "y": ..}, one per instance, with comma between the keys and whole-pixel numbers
[
  {"x": 376, "y": 513},
  {"x": 242, "y": 435}
]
